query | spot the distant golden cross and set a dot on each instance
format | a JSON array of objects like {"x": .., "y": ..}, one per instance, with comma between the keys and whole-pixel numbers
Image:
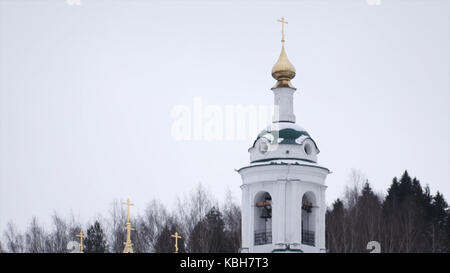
[
  {"x": 128, "y": 244},
  {"x": 282, "y": 21},
  {"x": 81, "y": 236},
  {"x": 176, "y": 236},
  {"x": 128, "y": 203}
]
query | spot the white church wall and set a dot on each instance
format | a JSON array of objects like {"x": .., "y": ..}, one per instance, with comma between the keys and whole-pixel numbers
[{"x": 286, "y": 190}]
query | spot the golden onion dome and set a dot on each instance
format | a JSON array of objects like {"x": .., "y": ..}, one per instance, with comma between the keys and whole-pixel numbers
[{"x": 283, "y": 71}]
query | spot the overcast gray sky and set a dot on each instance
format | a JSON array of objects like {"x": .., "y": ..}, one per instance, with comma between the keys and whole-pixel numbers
[{"x": 86, "y": 93}]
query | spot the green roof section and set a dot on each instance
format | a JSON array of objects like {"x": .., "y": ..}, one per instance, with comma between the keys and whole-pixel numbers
[{"x": 289, "y": 135}]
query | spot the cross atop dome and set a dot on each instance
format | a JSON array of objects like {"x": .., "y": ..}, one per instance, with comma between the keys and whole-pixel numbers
[
  {"x": 283, "y": 71},
  {"x": 282, "y": 21}
]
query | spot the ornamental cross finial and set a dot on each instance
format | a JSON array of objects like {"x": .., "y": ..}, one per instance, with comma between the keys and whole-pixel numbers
[
  {"x": 128, "y": 244},
  {"x": 128, "y": 203},
  {"x": 282, "y": 21},
  {"x": 176, "y": 236},
  {"x": 81, "y": 236}
]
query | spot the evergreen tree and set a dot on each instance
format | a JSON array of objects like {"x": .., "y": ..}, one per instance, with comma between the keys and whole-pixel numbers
[
  {"x": 403, "y": 212},
  {"x": 409, "y": 219},
  {"x": 447, "y": 231},
  {"x": 440, "y": 207},
  {"x": 95, "y": 241},
  {"x": 438, "y": 228},
  {"x": 368, "y": 218},
  {"x": 335, "y": 227},
  {"x": 392, "y": 198},
  {"x": 209, "y": 235}
]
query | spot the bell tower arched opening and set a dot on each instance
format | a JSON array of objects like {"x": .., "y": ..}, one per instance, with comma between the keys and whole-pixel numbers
[
  {"x": 263, "y": 219},
  {"x": 309, "y": 212}
]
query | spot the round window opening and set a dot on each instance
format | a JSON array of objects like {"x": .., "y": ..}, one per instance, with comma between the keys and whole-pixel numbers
[{"x": 308, "y": 149}]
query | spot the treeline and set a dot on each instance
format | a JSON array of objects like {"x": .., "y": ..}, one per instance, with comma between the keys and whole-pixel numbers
[
  {"x": 204, "y": 224},
  {"x": 408, "y": 219}
]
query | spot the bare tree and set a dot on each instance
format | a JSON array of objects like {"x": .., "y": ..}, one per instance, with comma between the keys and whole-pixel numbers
[
  {"x": 352, "y": 191},
  {"x": 232, "y": 221},
  {"x": 117, "y": 227},
  {"x": 351, "y": 195},
  {"x": 150, "y": 225},
  {"x": 35, "y": 237},
  {"x": 193, "y": 208},
  {"x": 59, "y": 237},
  {"x": 138, "y": 236},
  {"x": 74, "y": 227},
  {"x": 15, "y": 242}
]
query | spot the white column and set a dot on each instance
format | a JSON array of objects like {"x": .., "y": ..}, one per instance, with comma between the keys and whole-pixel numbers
[
  {"x": 280, "y": 216},
  {"x": 292, "y": 216},
  {"x": 322, "y": 205},
  {"x": 245, "y": 228}
]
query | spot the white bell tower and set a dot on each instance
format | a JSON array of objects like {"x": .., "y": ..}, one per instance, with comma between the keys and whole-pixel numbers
[{"x": 283, "y": 187}]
